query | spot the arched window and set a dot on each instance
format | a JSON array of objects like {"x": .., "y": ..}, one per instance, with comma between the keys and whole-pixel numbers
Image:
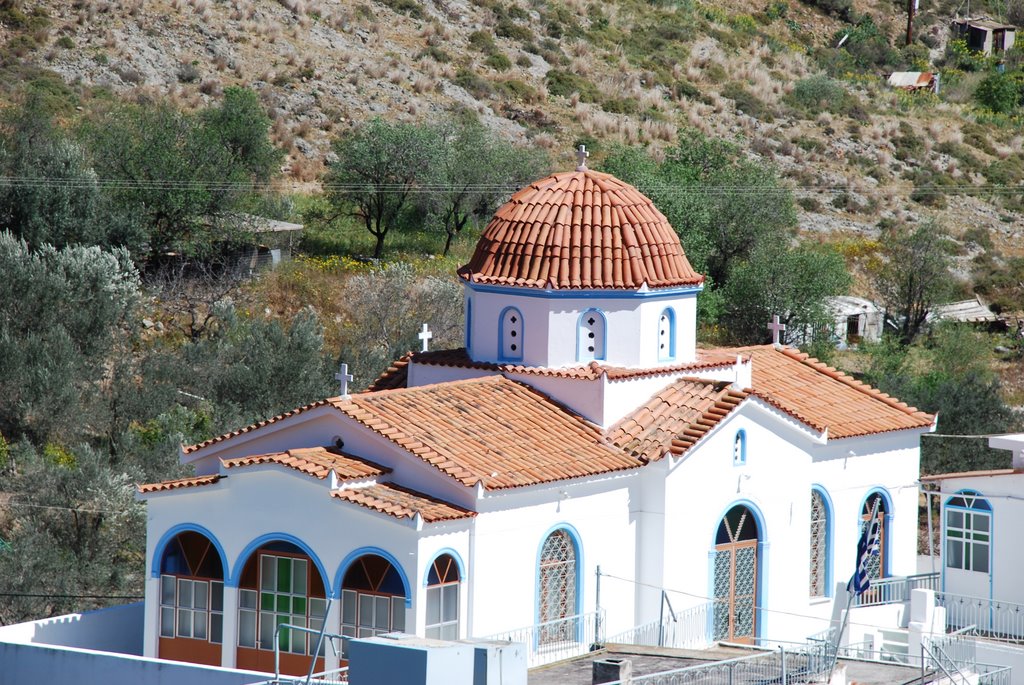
[
  {"x": 667, "y": 335},
  {"x": 819, "y": 545},
  {"x": 968, "y": 532},
  {"x": 590, "y": 336},
  {"x": 443, "y": 599},
  {"x": 739, "y": 448},
  {"x": 877, "y": 564},
  {"x": 469, "y": 325},
  {"x": 510, "y": 333},
  {"x": 736, "y": 578},
  {"x": 557, "y": 579},
  {"x": 372, "y": 599},
  {"x": 191, "y": 599}
]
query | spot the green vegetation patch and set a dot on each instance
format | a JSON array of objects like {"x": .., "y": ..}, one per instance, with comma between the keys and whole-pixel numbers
[{"x": 565, "y": 83}]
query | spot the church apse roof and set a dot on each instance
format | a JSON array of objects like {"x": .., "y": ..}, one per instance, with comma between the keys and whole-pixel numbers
[
  {"x": 827, "y": 399},
  {"x": 315, "y": 461},
  {"x": 395, "y": 500},
  {"x": 580, "y": 230}
]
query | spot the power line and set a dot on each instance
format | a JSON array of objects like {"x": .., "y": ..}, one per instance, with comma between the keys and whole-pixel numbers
[{"x": 46, "y": 595}]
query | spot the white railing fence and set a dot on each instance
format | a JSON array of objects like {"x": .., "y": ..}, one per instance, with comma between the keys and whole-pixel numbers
[
  {"x": 893, "y": 590},
  {"x": 804, "y": 664},
  {"x": 686, "y": 629},
  {"x": 990, "y": 618},
  {"x": 557, "y": 640}
]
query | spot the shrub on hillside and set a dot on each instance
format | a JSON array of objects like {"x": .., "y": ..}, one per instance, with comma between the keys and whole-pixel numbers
[
  {"x": 817, "y": 94},
  {"x": 565, "y": 83},
  {"x": 747, "y": 102},
  {"x": 999, "y": 92}
]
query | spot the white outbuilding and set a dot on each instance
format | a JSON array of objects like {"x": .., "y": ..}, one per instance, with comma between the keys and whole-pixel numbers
[{"x": 576, "y": 459}]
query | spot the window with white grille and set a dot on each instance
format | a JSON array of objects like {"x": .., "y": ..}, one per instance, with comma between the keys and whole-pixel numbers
[
  {"x": 968, "y": 532},
  {"x": 819, "y": 544}
]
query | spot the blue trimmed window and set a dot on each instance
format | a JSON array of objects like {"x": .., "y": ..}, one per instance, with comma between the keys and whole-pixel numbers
[
  {"x": 739, "y": 448},
  {"x": 819, "y": 545},
  {"x": 968, "y": 532},
  {"x": 667, "y": 335},
  {"x": 510, "y": 333},
  {"x": 443, "y": 599},
  {"x": 590, "y": 336},
  {"x": 557, "y": 578},
  {"x": 469, "y": 325}
]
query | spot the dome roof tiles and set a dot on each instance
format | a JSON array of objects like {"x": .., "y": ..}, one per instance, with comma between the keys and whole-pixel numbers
[{"x": 580, "y": 230}]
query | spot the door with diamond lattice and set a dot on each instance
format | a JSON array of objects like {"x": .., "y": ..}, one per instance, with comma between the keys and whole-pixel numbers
[{"x": 736, "y": 577}]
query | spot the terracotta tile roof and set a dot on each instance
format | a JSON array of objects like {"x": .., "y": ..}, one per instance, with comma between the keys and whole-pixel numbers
[
  {"x": 188, "y": 449},
  {"x": 315, "y": 461},
  {"x": 397, "y": 375},
  {"x": 488, "y": 430},
  {"x": 581, "y": 229},
  {"x": 676, "y": 418},
  {"x": 193, "y": 482},
  {"x": 400, "y": 502},
  {"x": 822, "y": 397}
]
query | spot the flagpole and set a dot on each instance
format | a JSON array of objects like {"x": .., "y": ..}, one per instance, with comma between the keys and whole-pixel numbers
[{"x": 851, "y": 587}]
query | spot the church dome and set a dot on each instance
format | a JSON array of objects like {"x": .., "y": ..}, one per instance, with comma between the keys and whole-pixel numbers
[{"x": 580, "y": 230}]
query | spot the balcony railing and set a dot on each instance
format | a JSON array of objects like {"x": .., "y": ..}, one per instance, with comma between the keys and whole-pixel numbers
[
  {"x": 690, "y": 629},
  {"x": 990, "y": 618},
  {"x": 896, "y": 590},
  {"x": 554, "y": 641}
]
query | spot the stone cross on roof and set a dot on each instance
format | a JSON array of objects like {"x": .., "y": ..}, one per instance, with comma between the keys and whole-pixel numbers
[
  {"x": 581, "y": 158},
  {"x": 343, "y": 377},
  {"x": 425, "y": 335},
  {"x": 775, "y": 327}
]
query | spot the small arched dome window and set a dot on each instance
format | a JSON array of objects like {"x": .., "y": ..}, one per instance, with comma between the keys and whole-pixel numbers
[
  {"x": 590, "y": 336},
  {"x": 510, "y": 334},
  {"x": 739, "y": 448},
  {"x": 469, "y": 325},
  {"x": 667, "y": 335}
]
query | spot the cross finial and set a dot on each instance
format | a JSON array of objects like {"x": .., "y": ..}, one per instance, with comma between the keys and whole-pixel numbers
[
  {"x": 775, "y": 327},
  {"x": 425, "y": 336},
  {"x": 581, "y": 158},
  {"x": 343, "y": 377}
]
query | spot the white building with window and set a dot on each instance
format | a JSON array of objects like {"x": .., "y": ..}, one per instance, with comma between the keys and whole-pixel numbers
[{"x": 472, "y": 491}]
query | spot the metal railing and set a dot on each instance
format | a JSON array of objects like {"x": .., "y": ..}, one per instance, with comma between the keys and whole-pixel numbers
[
  {"x": 554, "y": 641},
  {"x": 337, "y": 675},
  {"x": 686, "y": 629},
  {"x": 894, "y": 590},
  {"x": 802, "y": 665},
  {"x": 957, "y": 653},
  {"x": 991, "y": 618}
]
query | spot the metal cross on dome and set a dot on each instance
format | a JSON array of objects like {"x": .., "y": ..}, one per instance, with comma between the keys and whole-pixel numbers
[
  {"x": 581, "y": 158},
  {"x": 776, "y": 327},
  {"x": 425, "y": 335},
  {"x": 343, "y": 377}
]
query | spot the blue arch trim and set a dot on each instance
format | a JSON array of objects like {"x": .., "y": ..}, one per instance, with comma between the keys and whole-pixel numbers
[
  {"x": 469, "y": 325},
  {"x": 829, "y": 536},
  {"x": 762, "y": 560},
  {"x": 670, "y": 354},
  {"x": 980, "y": 501},
  {"x": 887, "y": 522},
  {"x": 985, "y": 508},
  {"x": 165, "y": 539},
  {"x": 577, "y": 543},
  {"x": 276, "y": 537},
  {"x": 584, "y": 294},
  {"x": 363, "y": 551},
  {"x": 741, "y": 435},
  {"x": 604, "y": 335},
  {"x": 501, "y": 335},
  {"x": 454, "y": 555}
]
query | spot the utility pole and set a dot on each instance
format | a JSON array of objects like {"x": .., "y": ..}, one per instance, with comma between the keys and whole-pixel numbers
[{"x": 911, "y": 6}]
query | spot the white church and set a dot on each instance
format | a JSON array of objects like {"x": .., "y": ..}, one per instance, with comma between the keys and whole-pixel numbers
[{"x": 472, "y": 491}]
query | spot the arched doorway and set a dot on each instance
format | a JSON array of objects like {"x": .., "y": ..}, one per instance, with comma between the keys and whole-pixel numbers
[
  {"x": 558, "y": 587},
  {"x": 878, "y": 565},
  {"x": 280, "y": 583},
  {"x": 372, "y": 599},
  {"x": 191, "y": 600},
  {"x": 736, "y": 576}
]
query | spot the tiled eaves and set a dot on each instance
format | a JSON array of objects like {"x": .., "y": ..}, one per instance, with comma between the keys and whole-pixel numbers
[
  {"x": 400, "y": 502},
  {"x": 315, "y": 461},
  {"x": 193, "y": 482},
  {"x": 395, "y": 376}
]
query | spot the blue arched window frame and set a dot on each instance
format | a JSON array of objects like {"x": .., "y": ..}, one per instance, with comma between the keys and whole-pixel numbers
[
  {"x": 886, "y": 567},
  {"x": 603, "y": 347},
  {"x": 670, "y": 353},
  {"x": 762, "y": 562},
  {"x": 469, "y": 325},
  {"x": 740, "y": 458},
  {"x": 518, "y": 355},
  {"x": 574, "y": 537},
  {"x": 975, "y": 504},
  {"x": 829, "y": 536}
]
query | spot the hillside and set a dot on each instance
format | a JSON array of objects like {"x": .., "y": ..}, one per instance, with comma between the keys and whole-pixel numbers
[{"x": 554, "y": 73}]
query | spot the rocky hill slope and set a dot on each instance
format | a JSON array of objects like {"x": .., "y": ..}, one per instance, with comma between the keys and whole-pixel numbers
[{"x": 555, "y": 73}]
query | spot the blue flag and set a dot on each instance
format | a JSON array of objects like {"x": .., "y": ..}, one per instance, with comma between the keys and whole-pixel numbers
[{"x": 867, "y": 547}]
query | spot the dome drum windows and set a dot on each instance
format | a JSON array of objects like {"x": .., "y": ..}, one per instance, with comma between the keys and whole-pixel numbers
[
  {"x": 667, "y": 335},
  {"x": 510, "y": 334},
  {"x": 590, "y": 336}
]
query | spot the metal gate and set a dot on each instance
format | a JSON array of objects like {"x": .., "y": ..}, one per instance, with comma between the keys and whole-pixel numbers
[{"x": 735, "y": 581}]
